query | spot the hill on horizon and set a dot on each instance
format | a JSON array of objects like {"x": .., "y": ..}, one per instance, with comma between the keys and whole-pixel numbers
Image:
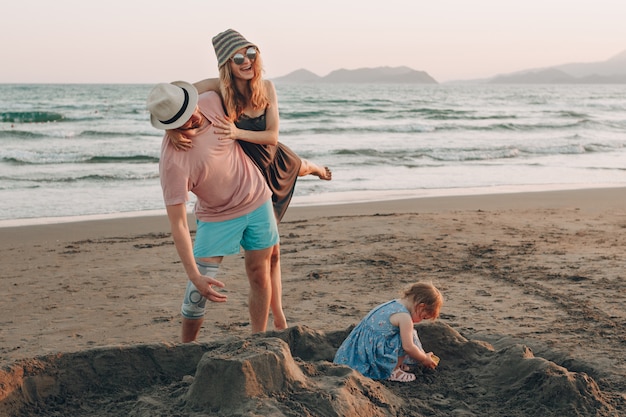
[
  {"x": 402, "y": 75},
  {"x": 610, "y": 71}
]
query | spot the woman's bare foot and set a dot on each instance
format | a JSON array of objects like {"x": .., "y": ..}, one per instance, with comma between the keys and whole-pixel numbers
[
  {"x": 280, "y": 323},
  {"x": 324, "y": 173},
  {"x": 309, "y": 168}
]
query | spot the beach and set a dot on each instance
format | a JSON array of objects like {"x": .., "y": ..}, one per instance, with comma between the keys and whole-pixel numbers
[{"x": 533, "y": 321}]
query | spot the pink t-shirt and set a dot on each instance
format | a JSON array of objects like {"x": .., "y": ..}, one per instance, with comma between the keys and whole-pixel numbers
[{"x": 218, "y": 172}]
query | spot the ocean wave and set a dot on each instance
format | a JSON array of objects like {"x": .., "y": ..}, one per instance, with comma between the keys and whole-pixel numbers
[
  {"x": 404, "y": 125},
  {"x": 571, "y": 114},
  {"x": 339, "y": 130},
  {"x": 472, "y": 155},
  {"x": 47, "y": 159},
  {"x": 366, "y": 156},
  {"x": 30, "y": 117},
  {"x": 143, "y": 159},
  {"x": 47, "y": 179},
  {"x": 619, "y": 125},
  {"x": 110, "y": 134},
  {"x": 68, "y": 133},
  {"x": 395, "y": 113},
  {"x": 385, "y": 157},
  {"x": 450, "y": 114},
  {"x": 301, "y": 115},
  {"x": 519, "y": 127},
  {"x": 372, "y": 111},
  {"x": 417, "y": 127},
  {"x": 20, "y": 134}
]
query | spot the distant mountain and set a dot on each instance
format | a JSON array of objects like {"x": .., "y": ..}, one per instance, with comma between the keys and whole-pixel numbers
[
  {"x": 380, "y": 75},
  {"x": 299, "y": 76},
  {"x": 609, "y": 68},
  {"x": 611, "y": 71},
  {"x": 546, "y": 76}
]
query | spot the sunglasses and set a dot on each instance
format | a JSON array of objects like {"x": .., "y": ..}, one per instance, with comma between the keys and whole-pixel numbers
[{"x": 238, "y": 58}]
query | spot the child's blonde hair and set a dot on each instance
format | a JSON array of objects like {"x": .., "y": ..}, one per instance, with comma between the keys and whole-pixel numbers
[{"x": 425, "y": 293}]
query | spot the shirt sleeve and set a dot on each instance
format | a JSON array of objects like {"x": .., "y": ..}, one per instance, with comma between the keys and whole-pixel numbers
[{"x": 174, "y": 178}]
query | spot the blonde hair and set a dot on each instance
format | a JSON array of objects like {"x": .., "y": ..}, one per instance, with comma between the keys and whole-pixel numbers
[
  {"x": 427, "y": 294},
  {"x": 236, "y": 101}
]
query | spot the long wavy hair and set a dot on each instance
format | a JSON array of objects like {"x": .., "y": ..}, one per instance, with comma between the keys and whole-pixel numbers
[{"x": 236, "y": 101}]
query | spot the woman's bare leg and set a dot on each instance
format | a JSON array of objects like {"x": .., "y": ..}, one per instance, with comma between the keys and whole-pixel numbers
[
  {"x": 309, "y": 168},
  {"x": 276, "y": 302},
  {"x": 260, "y": 279}
]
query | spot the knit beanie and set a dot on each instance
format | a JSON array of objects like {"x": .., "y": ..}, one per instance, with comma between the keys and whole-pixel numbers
[{"x": 227, "y": 43}]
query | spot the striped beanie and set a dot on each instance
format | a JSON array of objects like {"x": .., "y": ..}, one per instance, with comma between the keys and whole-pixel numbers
[{"x": 227, "y": 43}]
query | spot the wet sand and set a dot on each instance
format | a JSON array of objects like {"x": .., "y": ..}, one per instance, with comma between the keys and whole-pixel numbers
[{"x": 533, "y": 321}]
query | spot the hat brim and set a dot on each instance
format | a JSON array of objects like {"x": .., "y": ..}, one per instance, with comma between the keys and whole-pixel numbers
[{"x": 191, "y": 107}]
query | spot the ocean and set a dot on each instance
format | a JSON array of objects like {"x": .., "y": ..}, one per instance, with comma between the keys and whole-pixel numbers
[{"x": 79, "y": 150}]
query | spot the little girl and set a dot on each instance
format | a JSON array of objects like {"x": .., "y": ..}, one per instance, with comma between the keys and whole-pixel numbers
[{"x": 379, "y": 344}]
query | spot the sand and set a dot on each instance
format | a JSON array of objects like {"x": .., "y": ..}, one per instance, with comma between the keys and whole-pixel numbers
[{"x": 533, "y": 321}]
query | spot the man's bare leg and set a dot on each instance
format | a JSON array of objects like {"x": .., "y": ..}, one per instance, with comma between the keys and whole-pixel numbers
[
  {"x": 258, "y": 270},
  {"x": 309, "y": 168},
  {"x": 191, "y": 329}
]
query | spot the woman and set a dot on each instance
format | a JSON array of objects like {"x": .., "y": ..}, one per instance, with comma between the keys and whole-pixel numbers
[{"x": 252, "y": 108}]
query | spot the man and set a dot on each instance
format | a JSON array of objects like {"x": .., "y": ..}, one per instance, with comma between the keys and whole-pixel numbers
[{"x": 233, "y": 206}]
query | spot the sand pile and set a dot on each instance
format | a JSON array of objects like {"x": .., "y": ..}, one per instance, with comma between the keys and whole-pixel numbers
[{"x": 290, "y": 373}]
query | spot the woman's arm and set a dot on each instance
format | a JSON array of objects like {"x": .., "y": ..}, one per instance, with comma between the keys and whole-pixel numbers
[
  {"x": 228, "y": 130},
  {"x": 208, "y": 84},
  {"x": 177, "y": 138}
]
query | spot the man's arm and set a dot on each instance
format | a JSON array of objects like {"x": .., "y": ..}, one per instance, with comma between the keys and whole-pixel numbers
[{"x": 177, "y": 215}]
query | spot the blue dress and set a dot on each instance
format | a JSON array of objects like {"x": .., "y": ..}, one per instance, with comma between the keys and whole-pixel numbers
[{"x": 374, "y": 345}]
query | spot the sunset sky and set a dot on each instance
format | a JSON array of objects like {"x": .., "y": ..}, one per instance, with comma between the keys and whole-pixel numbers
[{"x": 149, "y": 41}]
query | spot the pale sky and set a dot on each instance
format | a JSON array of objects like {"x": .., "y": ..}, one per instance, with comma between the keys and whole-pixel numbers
[{"x": 151, "y": 41}]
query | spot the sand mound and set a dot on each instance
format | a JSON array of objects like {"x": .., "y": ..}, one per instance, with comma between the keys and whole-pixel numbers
[{"x": 290, "y": 373}]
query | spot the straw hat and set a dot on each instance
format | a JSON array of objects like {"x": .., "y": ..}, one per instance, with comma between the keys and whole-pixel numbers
[
  {"x": 227, "y": 43},
  {"x": 171, "y": 105}
]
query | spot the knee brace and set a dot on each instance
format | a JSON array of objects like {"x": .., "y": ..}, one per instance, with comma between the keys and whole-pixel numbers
[{"x": 194, "y": 304}]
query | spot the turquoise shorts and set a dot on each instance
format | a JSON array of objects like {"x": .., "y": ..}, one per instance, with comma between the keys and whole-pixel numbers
[{"x": 253, "y": 231}]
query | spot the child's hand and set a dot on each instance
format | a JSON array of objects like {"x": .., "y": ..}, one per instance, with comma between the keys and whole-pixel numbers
[
  {"x": 435, "y": 358},
  {"x": 428, "y": 361}
]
